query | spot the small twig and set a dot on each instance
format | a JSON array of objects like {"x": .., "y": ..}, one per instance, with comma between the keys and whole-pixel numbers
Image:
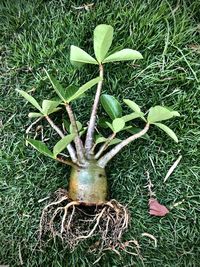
[
  {"x": 153, "y": 165},
  {"x": 102, "y": 162},
  {"x": 32, "y": 124},
  {"x": 149, "y": 185},
  {"x": 91, "y": 127},
  {"x": 86, "y": 7},
  {"x": 77, "y": 140},
  {"x": 68, "y": 162},
  {"x": 43, "y": 199},
  {"x": 20, "y": 256},
  {"x": 172, "y": 168},
  {"x": 105, "y": 146},
  {"x": 152, "y": 237},
  {"x": 69, "y": 147}
]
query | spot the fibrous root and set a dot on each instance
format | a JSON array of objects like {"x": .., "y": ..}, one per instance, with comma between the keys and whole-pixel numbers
[{"x": 74, "y": 222}]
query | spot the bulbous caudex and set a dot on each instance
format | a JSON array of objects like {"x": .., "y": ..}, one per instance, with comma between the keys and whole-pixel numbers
[{"x": 88, "y": 185}]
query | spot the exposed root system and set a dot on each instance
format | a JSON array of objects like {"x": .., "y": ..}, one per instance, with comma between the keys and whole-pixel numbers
[{"x": 74, "y": 222}]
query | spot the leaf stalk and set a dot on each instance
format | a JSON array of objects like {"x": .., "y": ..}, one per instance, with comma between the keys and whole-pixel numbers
[
  {"x": 103, "y": 161},
  {"x": 91, "y": 126},
  {"x": 70, "y": 148},
  {"x": 77, "y": 139}
]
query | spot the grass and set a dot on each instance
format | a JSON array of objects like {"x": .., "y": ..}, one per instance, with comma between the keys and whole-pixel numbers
[{"x": 37, "y": 34}]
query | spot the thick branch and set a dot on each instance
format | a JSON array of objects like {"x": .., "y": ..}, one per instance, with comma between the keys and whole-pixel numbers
[
  {"x": 102, "y": 162},
  {"x": 105, "y": 146},
  {"x": 91, "y": 126},
  {"x": 69, "y": 147},
  {"x": 77, "y": 140},
  {"x": 68, "y": 162}
]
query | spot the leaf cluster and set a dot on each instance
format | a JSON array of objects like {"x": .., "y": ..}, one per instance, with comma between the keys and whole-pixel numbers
[{"x": 117, "y": 122}]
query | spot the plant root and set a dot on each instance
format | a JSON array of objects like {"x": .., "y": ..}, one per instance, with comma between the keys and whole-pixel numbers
[{"x": 74, "y": 222}]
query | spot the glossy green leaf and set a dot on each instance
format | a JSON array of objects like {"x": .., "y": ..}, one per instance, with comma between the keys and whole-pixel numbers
[
  {"x": 57, "y": 87},
  {"x": 168, "y": 131},
  {"x": 79, "y": 126},
  {"x": 103, "y": 35},
  {"x": 123, "y": 55},
  {"x": 49, "y": 106},
  {"x": 159, "y": 113},
  {"x": 111, "y": 106},
  {"x": 78, "y": 55},
  {"x": 118, "y": 124},
  {"x": 41, "y": 147},
  {"x": 30, "y": 99},
  {"x": 132, "y": 105},
  {"x": 62, "y": 144},
  {"x": 35, "y": 115},
  {"x": 84, "y": 88},
  {"x": 132, "y": 116}
]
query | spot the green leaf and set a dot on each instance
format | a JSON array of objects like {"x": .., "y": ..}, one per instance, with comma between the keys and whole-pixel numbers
[
  {"x": 78, "y": 55},
  {"x": 115, "y": 141},
  {"x": 83, "y": 131},
  {"x": 35, "y": 115},
  {"x": 159, "y": 113},
  {"x": 118, "y": 125},
  {"x": 41, "y": 147},
  {"x": 70, "y": 91},
  {"x": 132, "y": 116},
  {"x": 57, "y": 87},
  {"x": 134, "y": 130},
  {"x": 66, "y": 124},
  {"x": 55, "y": 110},
  {"x": 100, "y": 139},
  {"x": 111, "y": 106},
  {"x": 79, "y": 126},
  {"x": 62, "y": 144},
  {"x": 49, "y": 106},
  {"x": 132, "y": 105},
  {"x": 102, "y": 122},
  {"x": 167, "y": 130},
  {"x": 110, "y": 125},
  {"x": 103, "y": 35},
  {"x": 173, "y": 112},
  {"x": 30, "y": 99},
  {"x": 123, "y": 55},
  {"x": 84, "y": 88}
]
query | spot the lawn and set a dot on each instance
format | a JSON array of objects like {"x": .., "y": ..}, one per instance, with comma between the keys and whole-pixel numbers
[{"x": 38, "y": 34}]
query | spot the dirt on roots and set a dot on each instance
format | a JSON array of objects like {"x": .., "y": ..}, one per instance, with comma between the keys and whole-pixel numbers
[{"x": 74, "y": 223}]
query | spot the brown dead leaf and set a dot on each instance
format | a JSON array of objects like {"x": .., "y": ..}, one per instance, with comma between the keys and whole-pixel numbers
[{"x": 156, "y": 209}]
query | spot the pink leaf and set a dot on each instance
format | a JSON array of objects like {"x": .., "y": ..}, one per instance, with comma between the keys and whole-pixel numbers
[{"x": 156, "y": 209}]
